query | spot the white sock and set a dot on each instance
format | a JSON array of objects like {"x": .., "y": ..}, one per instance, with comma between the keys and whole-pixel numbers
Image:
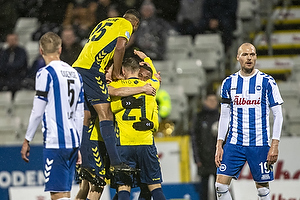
[
  {"x": 64, "y": 198},
  {"x": 263, "y": 193},
  {"x": 222, "y": 191}
]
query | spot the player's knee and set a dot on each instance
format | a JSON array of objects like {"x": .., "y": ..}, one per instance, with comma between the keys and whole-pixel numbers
[
  {"x": 263, "y": 192},
  {"x": 221, "y": 188}
]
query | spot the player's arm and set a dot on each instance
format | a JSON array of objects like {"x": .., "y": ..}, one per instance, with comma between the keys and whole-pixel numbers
[
  {"x": 277, "y": 126},
  {"x": 118, "y": 57},
  {"x": 79, "y": 113},
  {"x": 146, "y": 59},
  {"x": 127, "y": 91},
  {"x": 155, "y": 120},
  {"x": 38, "y": 109},
  {"x": 222, "y": 130},
  {"x": 128, "y": 101}
]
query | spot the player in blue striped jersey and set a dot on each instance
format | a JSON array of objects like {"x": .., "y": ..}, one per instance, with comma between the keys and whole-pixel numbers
[
  {"x": 59, "y": 105},
  {"x": 247, "y": 97}
]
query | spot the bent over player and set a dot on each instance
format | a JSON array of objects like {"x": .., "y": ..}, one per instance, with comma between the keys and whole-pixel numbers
[
  {"x": 247, "y": 97},
  {"x": 59, "y": 103}
]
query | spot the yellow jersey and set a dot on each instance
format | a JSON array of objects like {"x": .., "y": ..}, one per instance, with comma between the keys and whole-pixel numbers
[
  {"x": 124, "y": 118},
  {"x": 100, "y": 47}
]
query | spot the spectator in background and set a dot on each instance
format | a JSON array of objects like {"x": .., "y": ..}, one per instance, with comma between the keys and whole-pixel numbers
[
  {"x": 51, "y": 17},
  {"x": 29, "y": 81},
  {"x": 81, "y": 15},
  {"x": 8, "y": 18},
  {"x": 102, "y": 9},
  {"x": 152, "y": 33},
  {"x": 114, "y": 11},
  {"x": 163, "y": 100},
  {"x": 204, "y": 135},
  {"x": 188, "y": 17},
  {"x": 13, "y": 64},
  {"x": 71, "y": 48},
  {"x": 219, "y": 15}
]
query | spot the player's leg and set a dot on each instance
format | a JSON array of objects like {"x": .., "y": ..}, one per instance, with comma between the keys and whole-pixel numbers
[
  {"x": 60, "y": 195},
  {"x": 145, "y": 193},
  {"x": 261, "y": 172},
  {"x": 107, "y": 131},
  {"x": 83, "y": 190},
  {"x": 222, "y": 187},
  {"x": 234, "y": 157},
  {"x": 95, "y": 192},
  {"x": 59, "y": 171},
  {"x": 96, "y": 94},
  {"x": 156, "y": 191},
  {"x": 124, "y": 192},
  {"x": 150, "y": 174},
  {"x": 263, "y": 191}
]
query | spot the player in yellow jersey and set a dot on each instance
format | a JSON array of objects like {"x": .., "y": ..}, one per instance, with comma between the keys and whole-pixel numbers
[
  {"x": 95, "y": 162},
  {"x": 106, "y": 44},
  {"x": 135, "y": 127}
]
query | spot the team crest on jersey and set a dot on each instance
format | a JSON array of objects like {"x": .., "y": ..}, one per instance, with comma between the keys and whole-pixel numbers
[{"x": 258, "y": 87}]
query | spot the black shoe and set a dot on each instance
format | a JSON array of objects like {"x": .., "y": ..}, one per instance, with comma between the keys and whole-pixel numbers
[
  {"x": 92, "y": 178},
  {"x": 122, "y": 168}
]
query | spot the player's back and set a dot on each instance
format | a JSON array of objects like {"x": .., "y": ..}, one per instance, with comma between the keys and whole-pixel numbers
[
  {"x": 64, "y": 88},
  {"x": 100, "y": 47}
]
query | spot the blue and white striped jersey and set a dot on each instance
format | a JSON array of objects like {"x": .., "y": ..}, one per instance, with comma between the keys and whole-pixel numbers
[
  {"x": 250, "y": 99},
  {"x": 63, "y": 86}
]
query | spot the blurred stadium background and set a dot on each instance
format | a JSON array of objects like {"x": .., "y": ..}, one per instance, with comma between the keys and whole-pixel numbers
[{"x": 271, "y": 25}]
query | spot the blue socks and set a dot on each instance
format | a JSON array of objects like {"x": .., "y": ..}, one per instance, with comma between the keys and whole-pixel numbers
[
  {"x": 123, "y": 195},
  {"x": 85, "y": 147},
  {"x": 108, "y": 135},
  {"x": 158, "y": 194}
]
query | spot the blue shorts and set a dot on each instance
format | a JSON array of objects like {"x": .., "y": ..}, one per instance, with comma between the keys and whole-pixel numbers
[
  {"x": 59, "y": 169},
  {"x": 94, "y": 155},
  {"x": 235, "y": 156},
  {"x": 143, "y": 157},
  {"x": 94, "y": 85}
]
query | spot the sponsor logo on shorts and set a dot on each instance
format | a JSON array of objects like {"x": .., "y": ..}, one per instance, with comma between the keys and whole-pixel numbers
[
  {"x": 265, "y": 177},
  {"x": 223, "y": 167}
]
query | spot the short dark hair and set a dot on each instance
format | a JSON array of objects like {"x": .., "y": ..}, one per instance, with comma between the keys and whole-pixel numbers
[
  {"x": 131, "y": 64},
  {"x": 146, "y": 67},
  {"x": 134, "y": 12}
]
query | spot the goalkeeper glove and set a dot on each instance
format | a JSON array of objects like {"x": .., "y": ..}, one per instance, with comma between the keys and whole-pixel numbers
[
  {"x": 131, "y": 102},
  {"x": 144, "y": 125}
]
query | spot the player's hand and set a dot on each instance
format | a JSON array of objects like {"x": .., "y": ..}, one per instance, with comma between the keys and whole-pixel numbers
[
  {"x": 158, "y": 76},
  {"x": 116, "y": 77},
  {"x": 140, "y": 54},
  {"x": 273, "y": 152},
  {"x": 219, "y": 154},
  {"x": 131, "y": 102},
  {"x": 79, "y": 159},
  {"x": 148, "y": 89},
  {"x": 144, "y": 125},
  {"x": 25, "y": 150}
]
